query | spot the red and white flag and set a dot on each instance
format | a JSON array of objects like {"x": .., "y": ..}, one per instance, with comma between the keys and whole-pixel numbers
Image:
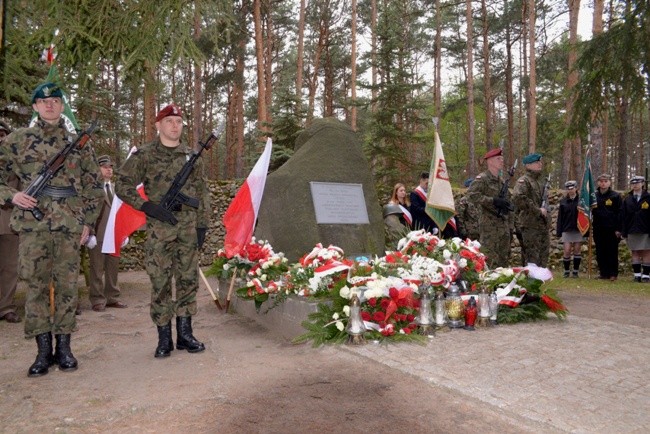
[
  {"x": 123, "y": 220},
  {"x": 240, "y": 217}
]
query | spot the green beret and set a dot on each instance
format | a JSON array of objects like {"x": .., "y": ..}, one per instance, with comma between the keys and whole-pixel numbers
[
  {"x": 531, "y": 158},
  {"x": 46, "y": 90}
]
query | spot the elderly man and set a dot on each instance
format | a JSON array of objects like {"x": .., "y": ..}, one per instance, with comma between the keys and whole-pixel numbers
[
  {"x": 533, "y": 216},
  {"x": 8, "y": 251},
  {"x": 493, "y": 222}
]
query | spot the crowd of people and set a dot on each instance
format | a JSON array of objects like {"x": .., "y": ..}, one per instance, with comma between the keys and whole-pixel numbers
[
  {"x": 42, "y": 233},
  {"x": 493, "y": 215}
]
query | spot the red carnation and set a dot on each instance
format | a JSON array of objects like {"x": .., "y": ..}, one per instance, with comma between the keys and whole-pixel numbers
[
  {"x": 372, "y": 302},
  {"x": 378, "y": 316},
  {"x": 393, "y": 292},
  {"x": 410, "y": 317},
  {"x": 365, "y": 316},
  {"x": 385, "y": 302}
]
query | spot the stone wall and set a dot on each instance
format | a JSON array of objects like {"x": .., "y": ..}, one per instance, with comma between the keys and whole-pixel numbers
[{"x": 223, "y": 192}]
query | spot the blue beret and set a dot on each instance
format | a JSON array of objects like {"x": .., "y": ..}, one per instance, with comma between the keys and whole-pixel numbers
[
  {"x": 46, "y": 90},
  {"x": 531, "y": 158}
]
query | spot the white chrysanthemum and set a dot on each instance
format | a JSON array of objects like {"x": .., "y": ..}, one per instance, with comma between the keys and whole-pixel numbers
[
  {"x": 345, "y": 292},
  {"x": 462, "y": 263},
  {"x": 446, "y": 254},
  {"x": 441, "y": 243},
  {"x": 346, "y": 310},
  {"x": 226, "y": 267},
  {"x": 263, "y": 277},
  {"x": 314, "y": 282},
  {"x": 335, "y": 315},
  {"x": 340, "y": 326}
]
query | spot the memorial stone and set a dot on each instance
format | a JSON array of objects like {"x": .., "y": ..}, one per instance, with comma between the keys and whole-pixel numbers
[{"x": 328, "y": 165}]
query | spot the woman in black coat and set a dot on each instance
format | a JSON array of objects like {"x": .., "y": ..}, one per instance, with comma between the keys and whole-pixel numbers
[{"x": 635, "y": 219}]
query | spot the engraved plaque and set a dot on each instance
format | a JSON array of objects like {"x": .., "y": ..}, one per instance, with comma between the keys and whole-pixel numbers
[{"x": 338, "y": 203}]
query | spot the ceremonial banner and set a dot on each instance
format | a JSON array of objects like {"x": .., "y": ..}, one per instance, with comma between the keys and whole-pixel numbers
[
  {"x": 440, "y": 198},
  {"x": 587, "y": 198}
]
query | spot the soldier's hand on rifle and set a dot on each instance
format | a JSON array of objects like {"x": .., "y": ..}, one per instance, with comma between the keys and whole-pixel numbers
[
  {"x": 200, "y": 236},
  {"x": 502, "y": 205},
  {"x": 158, "y": 212},
  {"x": 543, "y": 211},
  {"x": 24, "y": 201}
]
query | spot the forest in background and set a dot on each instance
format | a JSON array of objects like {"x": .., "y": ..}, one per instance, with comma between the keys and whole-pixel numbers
[{"x": 494, "y": 72}]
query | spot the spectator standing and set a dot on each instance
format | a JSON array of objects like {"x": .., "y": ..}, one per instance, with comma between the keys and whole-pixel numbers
[
  {"x": 104, "y": 291},
  {"x": 635, "y": 217},
  {"x": 8, "y": 250},
  {"x": 49, "y": 248},
  {"x": 607, "y": 227},
  {"x": 567, "y": 229},
  {"x": 400, "y": 199},
  {"x": 421, "y": 219}
]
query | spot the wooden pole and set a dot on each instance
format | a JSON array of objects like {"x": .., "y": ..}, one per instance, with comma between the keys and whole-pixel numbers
[
  {"x": 212, "y": 293},
  {"x": 52, "y": 298},
  {"x": 230, "y": 290}
]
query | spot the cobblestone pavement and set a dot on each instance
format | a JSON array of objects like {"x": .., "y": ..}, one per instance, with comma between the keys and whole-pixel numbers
[{"x": 581, "y": 375}]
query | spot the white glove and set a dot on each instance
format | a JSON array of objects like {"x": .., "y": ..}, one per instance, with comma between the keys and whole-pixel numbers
[
  {"x": 92, "y": 242},
  {"x": 125, "y": 242}
]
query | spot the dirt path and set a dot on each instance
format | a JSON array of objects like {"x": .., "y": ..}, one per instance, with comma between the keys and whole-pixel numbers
[{"x": 247, "y": 381}]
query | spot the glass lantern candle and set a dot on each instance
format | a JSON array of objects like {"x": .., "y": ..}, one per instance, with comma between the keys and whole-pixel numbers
[
  {"x": 455, "y": 307},
  {"x": 425, "y": 317},
  {"x": 356, "y": 328},
  {"x": 440, "y": 313},
  {"x": 494, "y": 307},
  {"x": 483, "y": 308},
  {"x": 471, "y": 312}
]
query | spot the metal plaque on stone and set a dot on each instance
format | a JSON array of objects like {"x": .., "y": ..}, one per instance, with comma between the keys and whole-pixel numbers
[{"x": 339, "y": 203}]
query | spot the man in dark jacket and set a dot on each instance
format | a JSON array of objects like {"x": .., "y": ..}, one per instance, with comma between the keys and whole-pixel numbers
[
  {"x": 421, "y": 219},
  {"x": 607, "y": 227}
]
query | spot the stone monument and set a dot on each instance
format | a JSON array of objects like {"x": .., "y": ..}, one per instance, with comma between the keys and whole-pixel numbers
[{"x": 323, "y": 194}]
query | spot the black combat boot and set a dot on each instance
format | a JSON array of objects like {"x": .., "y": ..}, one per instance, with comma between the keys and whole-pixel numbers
[
  {"x": 184, "y": 338},
  {"x": 44, "y": 359},
  {"x": 165, "y": 342},
  {"x": 63, "y": 353}
]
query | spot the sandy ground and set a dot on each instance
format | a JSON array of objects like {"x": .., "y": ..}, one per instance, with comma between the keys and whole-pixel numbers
[{"x": 247, "y": 381}]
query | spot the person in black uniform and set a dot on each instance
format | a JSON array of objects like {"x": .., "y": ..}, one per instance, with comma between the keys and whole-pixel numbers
[
  {"x": 635, "y": 217},
  {"x": 421, "y": 219},
  {"x": 607, "y": 227},
  {"x": 567, "y": 228}
]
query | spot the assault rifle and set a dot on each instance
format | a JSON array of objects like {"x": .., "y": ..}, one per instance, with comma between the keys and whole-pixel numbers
[
  {"x": 503, "y": 193},
  {"x": 547, "y": 187},
  {"x": 49, "y": 169},
  {"x": 173, "y": 199}
]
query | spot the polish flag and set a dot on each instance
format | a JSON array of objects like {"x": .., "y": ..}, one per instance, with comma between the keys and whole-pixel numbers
[
  {"x": 241, "y": 215},
  {"x": 123, "y": 220}
]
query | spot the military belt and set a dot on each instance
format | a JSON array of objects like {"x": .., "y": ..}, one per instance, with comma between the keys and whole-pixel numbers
[{"x": 58, "y": 192}]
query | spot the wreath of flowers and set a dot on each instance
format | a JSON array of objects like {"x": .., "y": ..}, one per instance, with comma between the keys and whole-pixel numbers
[{"x": 388, "y": 287}]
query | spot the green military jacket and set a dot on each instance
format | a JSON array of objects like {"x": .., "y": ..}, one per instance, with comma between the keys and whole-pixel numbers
[
  {"x": 528, "y": 200},
  {"x": 24, "y": 153},
  {"x": 481, "y": 192},
  {"x": 155, "y": 166}
]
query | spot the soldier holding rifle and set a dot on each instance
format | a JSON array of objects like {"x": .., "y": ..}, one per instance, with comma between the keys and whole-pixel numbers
[
  {"x": 53, "y": 220},
  {"x": 175, "y": 230},
  {"x": 531, "y": 199},
  {"x": 487, "y": 193}
]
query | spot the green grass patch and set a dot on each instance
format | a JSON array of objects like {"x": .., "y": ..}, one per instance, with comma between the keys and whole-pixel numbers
[{"x": 624, "y": 285}]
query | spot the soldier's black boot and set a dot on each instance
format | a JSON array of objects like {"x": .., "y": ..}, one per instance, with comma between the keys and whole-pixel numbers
[
  {"x": 44, "y": 359},
  {"x": 63, "y": 353},
  {"x": 165, "y": 342},
  {"x": 184, "y": 338}
]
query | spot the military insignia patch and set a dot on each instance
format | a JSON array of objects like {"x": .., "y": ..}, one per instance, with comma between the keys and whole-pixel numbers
[
  {"x": 645, "y": 205},
  {"x": 608, "y": 202}
]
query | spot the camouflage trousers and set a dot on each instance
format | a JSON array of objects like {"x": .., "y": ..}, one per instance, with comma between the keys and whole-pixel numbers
[
  {"x": 535, "y": 246},
  {"x": 172, "y": 253},
  {"x": 46, "y": 257},
  {"x": 495, "y": 242}
]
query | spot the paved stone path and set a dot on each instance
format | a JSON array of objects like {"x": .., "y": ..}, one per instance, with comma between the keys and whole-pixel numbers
[{"x": 580, "y": 375}]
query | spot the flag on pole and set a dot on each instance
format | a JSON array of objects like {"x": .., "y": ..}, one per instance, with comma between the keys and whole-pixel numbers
[
  {"x": 123, "y": 220},
  {"x": 587, "y": 199},
  {"x": 240, "y": 217},
  {"x": 440, "y": 198},
  {"x": 71, "y": 124}
]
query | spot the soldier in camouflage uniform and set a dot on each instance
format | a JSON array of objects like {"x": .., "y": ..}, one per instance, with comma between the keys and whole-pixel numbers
[
  {"x": 172, "y": 237},
  {"x": 468, "y": 216},
  {"x": 49, "y": 248},
  {"x": 493, "y": 224},
  {"x": 533, "y": 217}
]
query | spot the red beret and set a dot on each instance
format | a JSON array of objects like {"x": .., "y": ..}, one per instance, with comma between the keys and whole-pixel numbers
[
  {"x": 492, "y": 153},
  {"x": 170, "y": 110}
]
